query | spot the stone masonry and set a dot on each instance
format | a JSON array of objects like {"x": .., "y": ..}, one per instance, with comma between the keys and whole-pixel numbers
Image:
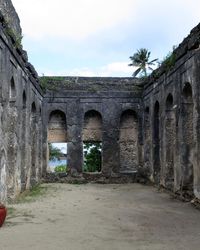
[{"x": 149, "y": 128}]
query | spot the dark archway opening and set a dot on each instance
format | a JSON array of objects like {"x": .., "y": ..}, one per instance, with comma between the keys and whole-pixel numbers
[{"x": 156, "y": 143}]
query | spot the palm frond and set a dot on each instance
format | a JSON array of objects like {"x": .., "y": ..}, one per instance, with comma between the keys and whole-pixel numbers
[{"x": 136, "y": 72}]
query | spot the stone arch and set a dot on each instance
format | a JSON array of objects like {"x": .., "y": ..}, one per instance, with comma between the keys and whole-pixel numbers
[
  {"x": 33, "y": 175},
  {"x": 147, "y": 139},
  {"x": 187, "y": 137},
  {"x": 187, "y": 93},
  {"x": 57, "y": 127},
  {"x": 24, "y": 99},
  {"x": 92, "y": 141},
  {"x": 128, "y": 141},
  {"x": 23, "y": 177},
  {"x": 156, "y": 143},
  {"x": 57, "y": 131},
  {"x": 169, "y": 142},
  {"x": 169, "y": 102},
  {"x": 92, "y": 129},
  {"x": 12, "y": 90},
  {"x": 33, "y": 109}
]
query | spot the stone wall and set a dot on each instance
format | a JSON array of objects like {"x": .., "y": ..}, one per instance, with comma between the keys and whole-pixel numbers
[
  {"x": 20, "y": 117},
  {"x": 171, "y": 120},
  {"x": 8, "y": 11},
  {"x": 93, "y": 108},
  {"x": 151, "y": 127}
]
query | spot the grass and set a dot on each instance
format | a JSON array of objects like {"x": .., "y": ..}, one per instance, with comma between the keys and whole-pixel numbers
[
  {"x": 22, "y": 215},
  {"x": 11, "y": 212},
  {"x": 31, "y": 195}
]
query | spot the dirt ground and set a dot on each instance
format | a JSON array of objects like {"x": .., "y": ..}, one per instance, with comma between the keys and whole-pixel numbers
[{"x": 102, "y": 217}]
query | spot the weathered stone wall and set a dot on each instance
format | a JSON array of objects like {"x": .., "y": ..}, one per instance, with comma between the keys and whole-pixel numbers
[
  {"x": 171, "y": 120},
  {"x": 8, "y": 11},
  {"x": 20, "y": 116},
  {"x": 150, "y": 126},
  {"x": 93, "y": 109},
  {"x": 57, "y": 127},
  {"x": 128, "y": 142},
  {"x": 92, "y": 130}
]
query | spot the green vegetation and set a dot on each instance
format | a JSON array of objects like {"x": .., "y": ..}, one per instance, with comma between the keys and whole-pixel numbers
[
  {"x": 54, "y": 153},
  {"x": 169, "y": 61},
  {"x": 61, "y": 169},
  {"x": 31, "y": 194},
  {"x": 53, "y": 82},
  {"x": 17, "y": 38},
  {"x": 92, "y": 157},
  {"x": 141, "y": 60},
  {"x": 11, "y": 211},
  {"x": 47, "y": 82}
]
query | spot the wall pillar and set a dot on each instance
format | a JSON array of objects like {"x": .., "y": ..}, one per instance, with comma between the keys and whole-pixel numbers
[{"x": 75, "y": 145}]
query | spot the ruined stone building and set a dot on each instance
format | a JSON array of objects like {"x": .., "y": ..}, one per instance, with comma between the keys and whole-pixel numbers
[{"x": 149, "y": 128}]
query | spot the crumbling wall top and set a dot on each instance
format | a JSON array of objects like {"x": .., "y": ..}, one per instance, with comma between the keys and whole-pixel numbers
[{"x": 8, "y": 11}]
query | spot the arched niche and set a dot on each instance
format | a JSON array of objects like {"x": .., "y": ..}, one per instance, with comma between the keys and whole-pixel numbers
[
  {"x": 147, "y": 138},
  {"x": 92, "y": 129},
  {"x": 24, "y": 99},
  {"x": 92, "y": 141},
  {"x": 187, "y": 137},
  {"x": 12, "y": 91},
  {"x": 128, "y": 141},
  {"x": 156, "y": 143},
  {"x": 33, "y": 109},
  {"x": 24, "y": 137},
  {"x": 34, "y": 142},
  {"x": 169, "y": 141},
  {"x": 57, "y": 127}
]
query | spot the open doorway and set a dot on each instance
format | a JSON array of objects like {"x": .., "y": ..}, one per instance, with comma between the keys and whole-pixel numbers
[
  {"x": 58, "y": 157},
  {"x": 57, "y": 142},
  {"x": 92, "y": 156},
  {"x": 92, "y": 142}
]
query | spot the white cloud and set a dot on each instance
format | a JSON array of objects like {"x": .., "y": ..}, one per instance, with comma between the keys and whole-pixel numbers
[
  {"x": 111, "y": 69},
  {"x": 101, "y": 31},
  {"x": 78, "y": 19},
  {"x": 117, "y": 68},
  {"x": 74, "y": 19}
]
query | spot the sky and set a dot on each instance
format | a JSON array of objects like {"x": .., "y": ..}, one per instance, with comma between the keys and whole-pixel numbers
[{"x": 97, "y": 37}]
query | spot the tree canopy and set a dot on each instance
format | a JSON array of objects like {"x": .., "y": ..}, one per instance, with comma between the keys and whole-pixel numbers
[
  {"x": 54, "y": 153},
  {"x": 141, "y": 60}
]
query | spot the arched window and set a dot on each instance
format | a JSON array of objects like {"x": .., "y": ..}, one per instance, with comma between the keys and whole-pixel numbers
[
  {"x": 169, "y": 142},
  {"x": 187, "y": 136},
  {"x": 12, "y": 89},
  {"x": 128, "y": 141},
  {"x": 33, "y": 108},
  {"x": 24, "y": 99},
  {"x": 156, "y": 143},
  {"x": 92, "y": 141}
]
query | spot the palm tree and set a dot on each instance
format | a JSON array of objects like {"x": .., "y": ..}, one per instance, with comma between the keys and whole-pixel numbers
[{"x": 141, "y": 60}]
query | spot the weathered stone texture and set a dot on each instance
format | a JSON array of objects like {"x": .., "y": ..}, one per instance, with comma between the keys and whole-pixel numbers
[
  {"x": 19, "y": 132},
  {"x": 94, "y": 115},
  {"x": 8, "y": 11},
  {"x": 175, "y": 131},
  {"x": 128, "y": 142},
  {"x": 92, "y": 130},
  {"x": 151, "y": 127}
]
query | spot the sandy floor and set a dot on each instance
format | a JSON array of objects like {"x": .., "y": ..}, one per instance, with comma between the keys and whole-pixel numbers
[{"x": 102, "y": 217}]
